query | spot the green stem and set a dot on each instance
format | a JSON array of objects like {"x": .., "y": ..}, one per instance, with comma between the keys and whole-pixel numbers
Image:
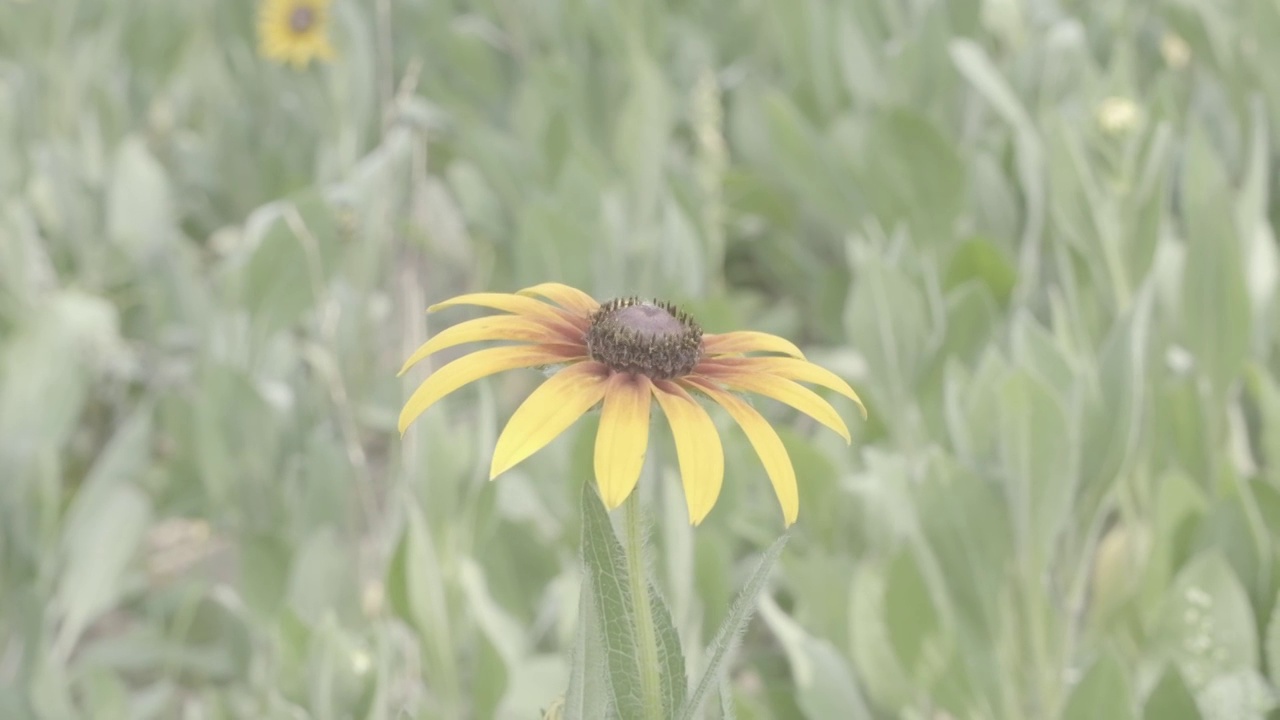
[{"x": 646, "y": 635}]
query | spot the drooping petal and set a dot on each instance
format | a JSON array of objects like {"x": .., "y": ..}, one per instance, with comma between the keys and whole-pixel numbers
[
  {"x": 548, "y": 411},
  {"x": 497, "y": 327},
  {"x": 569, "y": 298},
  {"x": 517, "y": 304},
  {"x": 787, "y": 391},
  {"x": 767, "y": 444},
  {"x": 789, "y": 368},
  {"x": 698, "y": 448},
  {"x": 623, "y": 436},
  {"x": 476, "y": 365},
  {"x": 745, "y": 341}
]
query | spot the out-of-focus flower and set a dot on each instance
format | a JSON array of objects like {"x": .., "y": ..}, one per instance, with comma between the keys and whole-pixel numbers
[
  {"x": 1175, "y": 51},
  {"x": 1117, "y": 115},
  {"x": 294, "y": 31}
]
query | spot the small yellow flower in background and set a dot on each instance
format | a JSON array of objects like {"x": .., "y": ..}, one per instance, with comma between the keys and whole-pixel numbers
[
  {"x": 1117, "y": 115},
  {"x": 1175, "y": 51},
  {"x": 294, "y": 31},
  {"x": 621, "y": 354}
]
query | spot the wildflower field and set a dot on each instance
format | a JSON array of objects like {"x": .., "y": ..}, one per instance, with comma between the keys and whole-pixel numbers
[{"x": 1034, "y": 237}]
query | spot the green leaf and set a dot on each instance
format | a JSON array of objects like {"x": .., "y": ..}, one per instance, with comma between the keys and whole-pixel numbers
[
  {"x": 292, "y": 250},
  {"x": 641, "y": 135},
  {"x": 606, "y": 565},
  {"x": 1206, "y": 623},
  {"x": 1264, "y": 394},
  {"x": 1262, "y": 257},
  {"x": 1038, "y": 450},
  {"x": 1241, "y": 695},
  {"x": 14, "y": 703},
  {"x": 1075, "y": 202},
  {"x": 140, "y": 212},
  {"x": 316, "y": 586},
  {"x": 503, "y": 630},
  {"x": 1272, "y": 647},
  {"x": 1184, "y": 420},
  {"x": 237, "y": 432},
  {"x": 870, "y": 646},
  {"x": 127, "y": 456},
  {"x": 802, "y": 158},
  {"x": 1215, "y": 310},
  {"x": 1233, "y": 527},
  {"x": 1117, "y": 404},
  {"x": 264, "y": 570},
  {"x": 49, "y": 689},
  {"x": 858, "y": 55},
  {"x": 980, "y": 259},
  {"x": 589, "y": 692},
  {"x": 678, "y": 543},
  {"x": 1103, "y": 694},
  {"x": 731, "y": 629},
  {"x": 968, "y": 530},
  {"x": 887, "y": 311},
  {"x": 44, "y": 381},
  {"x": 97, "y": 546},
  {"x": 675, "y": 683},
  {"x": 972, "y": 317},
  {"x": 825, "y": 684},
  {"x": 492, "y": 677},
  {"x": 1040, "y": 353},
  {"x": 911, "y": 619},
  {"x": 1171, "y": 699},
  {"x": 416, "y": 593},
  {"x": 413, "y": 575},
  {"x": 914, "y": 174},
  {"x": 974, "y": 394},
  {"x": 1180, "y": 505},
  {"x": 973, "y": 62}
]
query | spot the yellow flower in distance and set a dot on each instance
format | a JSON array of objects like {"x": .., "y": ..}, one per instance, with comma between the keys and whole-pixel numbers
[
  {"x": 294, "y": 31},
  {"x": 620, "y": 355}
]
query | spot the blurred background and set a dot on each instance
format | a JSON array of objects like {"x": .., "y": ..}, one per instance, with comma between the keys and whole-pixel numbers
[{"x": 1035, "y": 235}]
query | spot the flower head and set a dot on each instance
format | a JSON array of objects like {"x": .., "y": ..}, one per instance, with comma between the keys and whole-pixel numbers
[
  {"x": 1118, "y": 115},
  {"x": 623, "y": 355},
  {"x": 294, "y": 31}
]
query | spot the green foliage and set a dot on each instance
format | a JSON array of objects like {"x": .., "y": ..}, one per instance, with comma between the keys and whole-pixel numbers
[{"x": 1038, "y": 240}]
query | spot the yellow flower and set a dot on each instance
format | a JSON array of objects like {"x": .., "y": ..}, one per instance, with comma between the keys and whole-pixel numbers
[
  {"x": 294, "y": 31},
  {"x": 620, "y": 354},
  {"x": 1118, "y": 115}
]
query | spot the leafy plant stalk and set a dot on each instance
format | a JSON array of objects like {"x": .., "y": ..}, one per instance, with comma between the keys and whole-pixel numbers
[{"x": 646, "y": 636}]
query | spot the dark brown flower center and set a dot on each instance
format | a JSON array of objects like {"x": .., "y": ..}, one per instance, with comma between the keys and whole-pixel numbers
[
  {"x": 649, "y": 338},
  {"x": 301, "y": 19}
]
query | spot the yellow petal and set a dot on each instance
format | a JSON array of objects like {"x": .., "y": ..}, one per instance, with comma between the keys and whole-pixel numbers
[
  {"x": 745, "y": 341},
  {"x": 498, "y": 327},
  {"x": 518, "y": 304},
  {"x": 698, "y": 448},
  {"x": 789, "y": 368},
  {"x": 773, "y": 455},
  {"x": 547, "y": 412},
  {"x": 623, "y": 436},
  {"x": 790, "y": 392},
  {"x": 474, "y": 366},
  {"x": 569, "y": 298}
]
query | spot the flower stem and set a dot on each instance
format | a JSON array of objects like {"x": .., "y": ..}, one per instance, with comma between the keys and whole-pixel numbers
[{"x": 646, "y": 635}]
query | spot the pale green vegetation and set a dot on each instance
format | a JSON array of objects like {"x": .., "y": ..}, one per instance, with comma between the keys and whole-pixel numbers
[{"x": 1036, "y": 236}]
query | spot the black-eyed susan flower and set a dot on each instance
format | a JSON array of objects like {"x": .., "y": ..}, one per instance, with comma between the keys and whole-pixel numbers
[
  {"x": 622, "y": 355},
  {"x": 294, "y": 31}
]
